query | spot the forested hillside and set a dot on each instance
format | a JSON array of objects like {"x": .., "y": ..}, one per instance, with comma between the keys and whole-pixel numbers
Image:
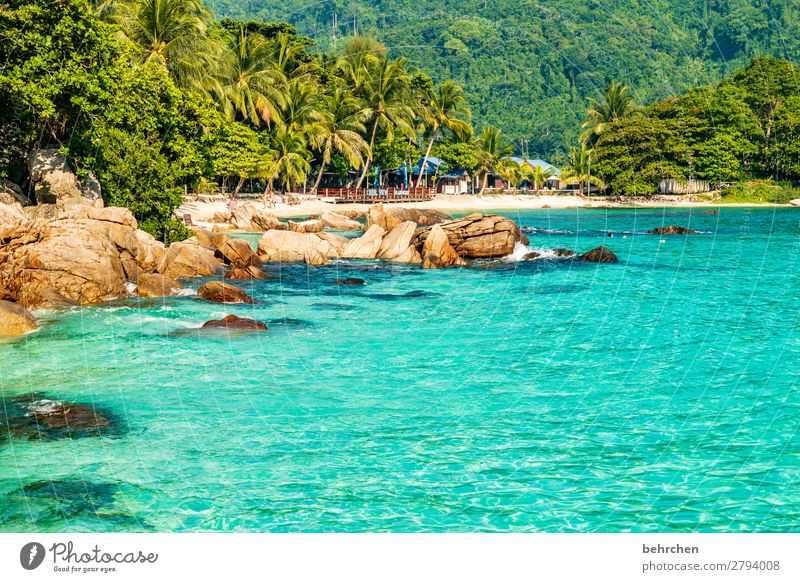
[{"x": 529, "y": 67}]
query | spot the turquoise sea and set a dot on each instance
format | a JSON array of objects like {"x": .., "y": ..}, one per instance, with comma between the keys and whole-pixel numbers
[{"x": 656, "y": 394}]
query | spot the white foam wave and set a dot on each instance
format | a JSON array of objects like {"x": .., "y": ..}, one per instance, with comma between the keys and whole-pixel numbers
[
  {"x": 43, "y": 406},
  {"x": 130, "y": 288},
  {"x": 522, "y": 253}
]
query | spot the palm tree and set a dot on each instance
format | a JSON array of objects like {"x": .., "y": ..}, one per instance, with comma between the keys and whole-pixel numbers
[
  {"x": 248, "y": 83},
  {"x": 579, "y": 168},
  {"x": 174, "y": 33},
  {"x": 616, "y": 104},
  {"x": 539, "y": 175},
  {"x": 494, "y": 148},
  {"x": 358, "y": 56},
  {"x": 339, "y": 129},
  {"x": 445, "y": 108},
  {"x": 301, "y": 106},
  {"x": 291, "y": 158},
  {"x": 511, "y": 172},
  {"x": 386, "y": 91}
]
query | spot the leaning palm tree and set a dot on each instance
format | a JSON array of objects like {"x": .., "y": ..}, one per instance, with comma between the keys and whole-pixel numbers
[
  {"x": 302, "y": 104},
  {"x": 290, "y": 157},
  {"x": 174, "y": 33},
  {"x": 339, "y": 130},
  {"x": 248, "y": 84},
  {"x": 387, "y": 101},
  {"x": 579, "y": 169},
  {"x": 615, "y": 104},
  {"x": 493, "y": 148},
  {"x": 445, "y": 108}
]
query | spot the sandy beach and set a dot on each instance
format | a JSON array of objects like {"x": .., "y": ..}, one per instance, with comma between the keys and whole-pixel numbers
[{"x": 203, "y": 211}]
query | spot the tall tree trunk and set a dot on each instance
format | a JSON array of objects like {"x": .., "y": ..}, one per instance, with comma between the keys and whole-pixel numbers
[
  {"x": 238, "y": 186},
  {"x": 485, "y": 184},
  {"x": 425, "y": 159},
  {"x": 319, "y": 178},
  {"x": 371, "y": 144}
]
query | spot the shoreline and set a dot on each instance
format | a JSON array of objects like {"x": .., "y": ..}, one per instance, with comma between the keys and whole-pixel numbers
[{"x": 203, "y": 211}]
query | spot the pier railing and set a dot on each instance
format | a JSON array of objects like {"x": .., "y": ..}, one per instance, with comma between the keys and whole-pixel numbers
[{"x": 377, "y": 194}]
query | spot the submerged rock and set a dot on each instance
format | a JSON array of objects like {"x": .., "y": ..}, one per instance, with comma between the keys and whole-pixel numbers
[
  {"x": 220, "y": 292},
  {"x": 157, "y": 285},
  {"x": 564, "y": 253},
  {"x": 349, "y": 281},
  {"x": 33, "y": 416},
  {"x": 672, "y": 230},
  {"x": 232, "y": 322},
  {"x": 598, "y": 255},
  {"x": 15, "y": 320},
  {"x": 531, "y": 256}
]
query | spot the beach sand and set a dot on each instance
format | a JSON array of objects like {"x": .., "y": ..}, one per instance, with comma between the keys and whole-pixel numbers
[{"x": 202, "y": 211}]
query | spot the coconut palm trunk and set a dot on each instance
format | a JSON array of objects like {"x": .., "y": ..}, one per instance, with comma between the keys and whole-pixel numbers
[
  {"x": 319, "y": 178},
  {"x": 485, "y": 184},
  {"x": 425, "y": 160},
  {"x": 371, "y": 145}
]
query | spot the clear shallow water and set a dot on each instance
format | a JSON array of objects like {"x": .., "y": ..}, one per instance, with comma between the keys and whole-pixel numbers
[{"x": 658, "y": 394}]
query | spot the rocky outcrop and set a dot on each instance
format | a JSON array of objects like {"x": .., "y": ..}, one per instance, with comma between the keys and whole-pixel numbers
[
  {"x": 437, "y": 252},
  {"x": 220, "y": 292},
  {"x": 15, "y": 320},
  {"x": 367, "y": 245},
  {"x": 221, "y": 217},
  {"x": 564, "y": 253},
  {"x": 54, "y": 182},
  {"x": 397, "y": 242},
  {"x": 306, "y": 226},
  {"x": 598, "y": 255},
  {"x": 79, "y": 255},
  {"x": 12, "y": 215},
  {"x": 289, "y": 246},
  {"x": 479, "y": 236},
  {"x": 183, "y": 260},
  {"x": 157, "y": 285},
  {"x": 10, "y": 193},
  {"x": 393, "y": 216},
  {"x": 672, "y": 230},
  {"x": 250, "y": 217},
  {"x": 336, "y": 221},
  {"x": 245, "y": 273},
  {"x": 234, "y": 323},
  {"x": 237, "y": 252}
]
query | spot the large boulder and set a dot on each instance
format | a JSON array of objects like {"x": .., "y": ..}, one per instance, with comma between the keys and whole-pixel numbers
[
  {"x": 75, "y": 254},
  {"x": 245, "y": 273},
  {"x": 183, "y": 260},
  {"x": 336, "y": 221},
  {"x": 437, "y": 252},
  {"x": 480, "y": 236},
  {"x": 237, "y": 252},
  {"x": 220, "y": 292},
  {"x": 290, "y": 246},
  {"x": 388, "y": 218},
  {"x": 12, "y": 215},
  {"x": 10, "y": 193},
  {"x": 250, "y": 217},
  {"x": 52, "y": 177},
  {"x": 598, "y": 255},
  {"x": 15, "y": 320},
  {"x": 367, "y": 245},
  {"x": 398, "y": 241},
  {"x": 306, "y": 226},
  {"x": 157, "y": 285}
]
